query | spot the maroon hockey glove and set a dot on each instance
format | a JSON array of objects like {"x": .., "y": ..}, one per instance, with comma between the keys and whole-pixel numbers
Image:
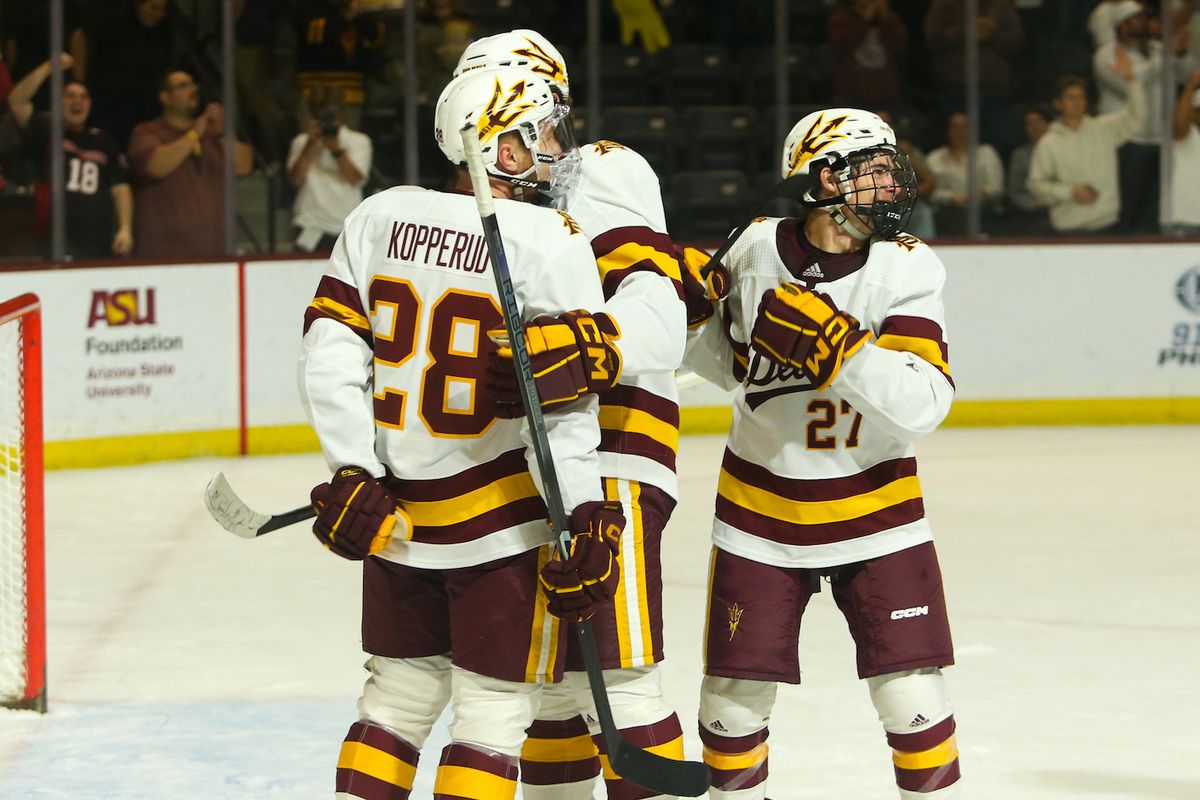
[
  {"x": 356, "y": 516},
  {"x": 578, "y": 587},
  {"x": 804, "y": 330},
  {"x": 571, "y": 355},
  {"x": 701, "y": 292}
]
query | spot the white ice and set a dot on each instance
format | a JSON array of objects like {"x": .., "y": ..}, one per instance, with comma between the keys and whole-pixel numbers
[{"x": 186, "y": 663}]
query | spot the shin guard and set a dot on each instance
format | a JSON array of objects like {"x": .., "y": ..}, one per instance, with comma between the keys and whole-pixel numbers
[
  {"x": 919, "y": 722},
  {"x": 467, "y": 772},
  {"x": 375, "y": 764}
]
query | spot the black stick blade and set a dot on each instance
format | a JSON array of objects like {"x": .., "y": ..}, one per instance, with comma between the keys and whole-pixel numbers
[{"x": 660, "y": 774}]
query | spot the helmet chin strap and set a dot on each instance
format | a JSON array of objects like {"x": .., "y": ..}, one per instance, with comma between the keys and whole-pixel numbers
[{"x": 835, "y": 208}]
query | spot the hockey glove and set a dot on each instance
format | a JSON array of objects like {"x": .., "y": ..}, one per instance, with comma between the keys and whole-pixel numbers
[
  {"x": 356, "y": 515},
  {"x": 701, "y": 292},
  {"x": 804, "y": 330},
  {"x": 571, "y": 355},
  {"x": 578, "y": 587}
]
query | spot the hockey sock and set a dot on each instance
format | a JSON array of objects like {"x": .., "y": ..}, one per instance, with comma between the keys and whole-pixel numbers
[
  {"x": 468, "y": 772},
  {"x": 664, "y": 737},
  {"x": 918, "y": 719},
  {"x": 375, "y": 764},
  {"x": 558, "y": 760},
  {"x": 738, "y": 764},
  {"x": 925, "y": 761}
]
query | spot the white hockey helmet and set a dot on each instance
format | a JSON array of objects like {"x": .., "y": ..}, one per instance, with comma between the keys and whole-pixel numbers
[
  {"x": 517, "y": 48},
  {"x": 854, "y": 143},
  {"x": 504, "y": 100}
]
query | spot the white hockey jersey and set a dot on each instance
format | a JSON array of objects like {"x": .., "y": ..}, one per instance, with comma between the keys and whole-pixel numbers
[
  {"x": 618, "y": 204},
  {"x": 391, "y": 369},
  {"x": 815, "y": 479}
]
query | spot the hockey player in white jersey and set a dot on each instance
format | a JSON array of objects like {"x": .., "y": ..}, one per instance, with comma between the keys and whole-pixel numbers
[
  {"x": 436, "y": 494},
  {"x": 627, "y": 353},
  {"x": 834, "y": 336}
]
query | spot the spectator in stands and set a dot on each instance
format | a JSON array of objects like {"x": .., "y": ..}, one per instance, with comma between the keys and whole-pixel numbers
[
  {"x": 329, "y": 165},
  {"x": 1000, "y": 38},
  {"x": 1027, "y": 212},
  {"x": 1074, "y": 169},
  {"x": 1185, "y": 175},
  {"x": 949, "y": 165},
  {"x": 179, "y": 162},
  {"x": 1102, "y": 22},
  {"x": 1139, "y": 157},
  {"x": 121, "y": 58},
  {"x": 869, "y": 43},
  {"x": 98, "y": 201},
  {"x": 337, "y": 47}
]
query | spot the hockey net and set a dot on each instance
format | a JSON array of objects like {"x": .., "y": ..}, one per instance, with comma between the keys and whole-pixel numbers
[{"x": 22, "y": 564}]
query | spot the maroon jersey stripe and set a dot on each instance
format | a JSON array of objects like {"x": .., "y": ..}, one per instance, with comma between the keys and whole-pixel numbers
[
  {"x": 826, "y": 533},
  {"x": 819, "y": 489},
  {"x": 428, "y": 490},
  {"x": 343, "y": 294},
  {"x": 637, "y": 444},
  {"x": 528, "y": 509},
  {"x": 611, "y": 240},
  {"x": 633, "y": 397}
]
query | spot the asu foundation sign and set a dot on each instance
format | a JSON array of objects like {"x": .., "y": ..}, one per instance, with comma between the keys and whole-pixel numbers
[{"x": 137, "y": 350}]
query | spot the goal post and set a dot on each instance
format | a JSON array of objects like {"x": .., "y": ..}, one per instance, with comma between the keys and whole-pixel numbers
[{"x": 22, "y": 519}]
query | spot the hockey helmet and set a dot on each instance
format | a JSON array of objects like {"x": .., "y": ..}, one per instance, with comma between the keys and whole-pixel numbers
[
  {"x": 518, "y": 48},
  {"x": 503, "y": 100},
  {"x": 876, "y": 181}
]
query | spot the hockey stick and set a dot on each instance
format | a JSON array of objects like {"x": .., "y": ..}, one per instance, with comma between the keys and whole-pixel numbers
[
  {"x": 232, "y": 514},
  {"x": 646, "y": 769}
]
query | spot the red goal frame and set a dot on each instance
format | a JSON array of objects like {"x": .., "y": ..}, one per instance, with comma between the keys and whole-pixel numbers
[{"x": 25, "y": 312}]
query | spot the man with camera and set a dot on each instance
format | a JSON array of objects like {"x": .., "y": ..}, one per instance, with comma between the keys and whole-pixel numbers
[{"x": 328, "y": 164}]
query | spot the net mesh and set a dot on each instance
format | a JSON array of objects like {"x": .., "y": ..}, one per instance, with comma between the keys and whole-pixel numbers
[{"x": 14, "y": 606}]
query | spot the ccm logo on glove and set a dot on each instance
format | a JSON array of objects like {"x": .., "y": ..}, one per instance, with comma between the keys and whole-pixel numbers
[{"x": 805, "y": 330}]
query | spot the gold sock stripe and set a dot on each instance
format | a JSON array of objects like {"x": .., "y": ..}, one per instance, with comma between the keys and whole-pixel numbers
[
  {"x": 936, "y": 756},
  {"x": 575, "y": 748},
  {"x": 672, "y": 750},
  {"x": 473, "y": 783},
  {"x": 378, "y": 764},
  {"x": 735, "y": 761}
]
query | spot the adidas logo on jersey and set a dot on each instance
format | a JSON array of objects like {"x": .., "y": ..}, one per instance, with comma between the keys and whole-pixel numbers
[
  {"x": 814, "y": 271},
  {"x": 717, "y": 726},
  {"x": 918, "y": 721}
]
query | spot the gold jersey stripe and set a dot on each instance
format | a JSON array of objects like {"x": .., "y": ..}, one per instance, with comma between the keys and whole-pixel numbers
[
  {"x": 732, "y": 761},
  {"x": 576, "y": 748},
  {"x": 926, "y": 349},
  {"x": 477, "y": 784},
  {"x": 434, "y": 513},
  {"x": 672, "y": 750},
  {"x": 342, "y": 313},
  {"x": 634, "y": 420},
  {"x": 375, "y": 762},
  {"x": 631, "y": 253},
  {"x": 936, "y": 756},
  {"x": 817, "y": 512}
]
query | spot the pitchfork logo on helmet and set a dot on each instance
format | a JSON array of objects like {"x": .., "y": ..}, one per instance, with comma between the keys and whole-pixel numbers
[
  {"x": 818, "y": 137},
  {"x": 541, "y": 62},
  {"x": 522, "y": 48},
  {"x": 502, "y": 110}
]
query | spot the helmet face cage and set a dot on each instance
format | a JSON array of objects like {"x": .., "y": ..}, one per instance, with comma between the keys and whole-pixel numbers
[
  {"x": 565, "y": 165},
  {"x": 879, "y": 186}
]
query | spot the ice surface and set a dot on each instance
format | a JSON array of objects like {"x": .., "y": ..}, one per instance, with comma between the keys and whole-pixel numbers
[{"x": 188, "y": 663}]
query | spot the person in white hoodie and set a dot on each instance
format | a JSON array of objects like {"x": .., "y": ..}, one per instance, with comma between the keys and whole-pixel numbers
[
  {"x": 1074, "y": 169},
  {"x": 1183, "y": 216}
]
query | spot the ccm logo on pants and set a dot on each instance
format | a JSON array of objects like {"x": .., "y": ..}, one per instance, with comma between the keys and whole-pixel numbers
[{"x": 905, "y": 613}]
